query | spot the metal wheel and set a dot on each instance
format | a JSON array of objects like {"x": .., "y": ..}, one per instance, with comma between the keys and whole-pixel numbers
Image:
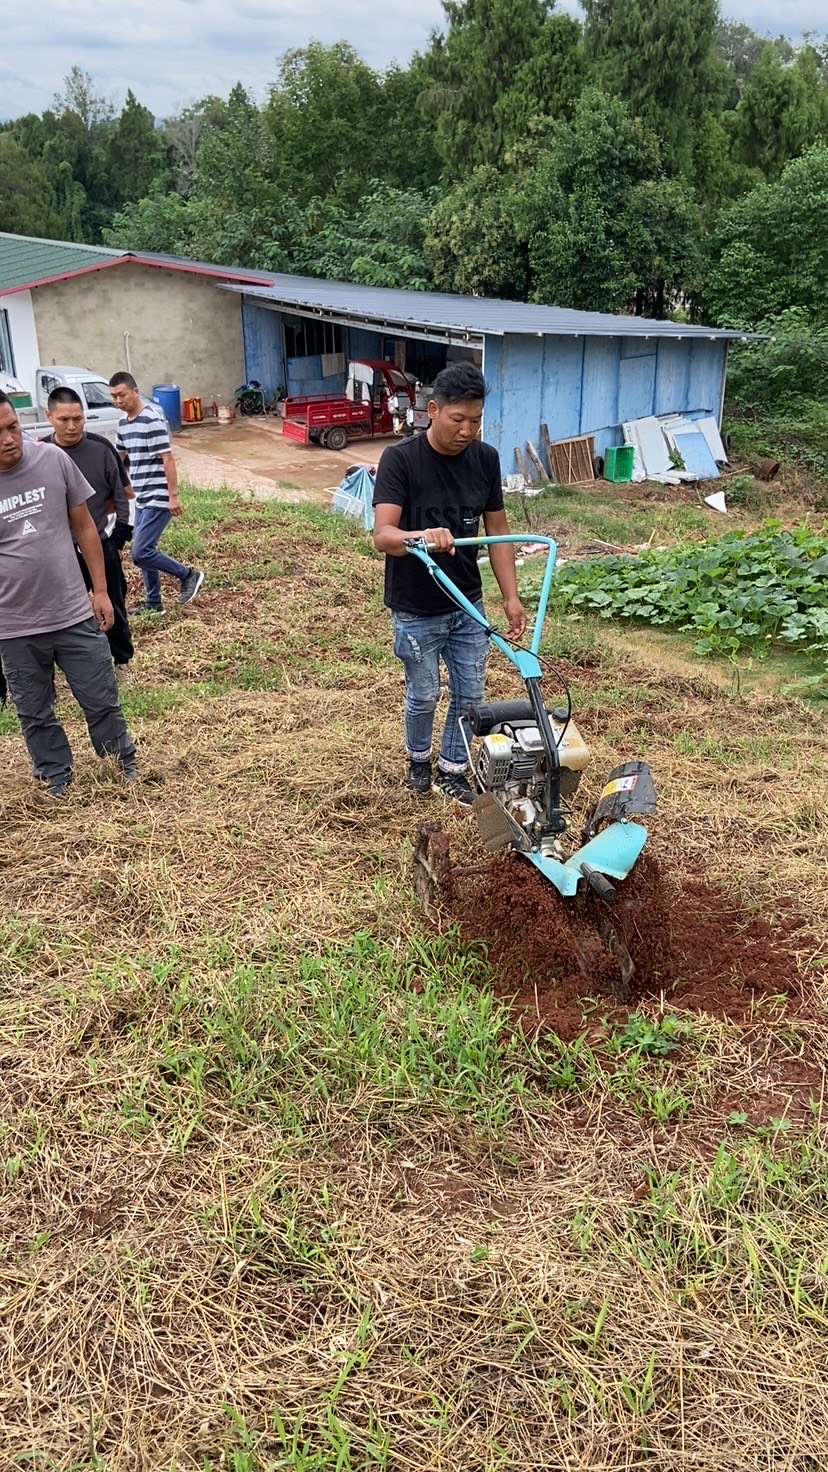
[{"x": 336, "y": 438}]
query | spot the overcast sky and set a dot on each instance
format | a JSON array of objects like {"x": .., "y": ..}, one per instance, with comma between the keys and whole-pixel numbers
[{"x": 171, "y": 52}]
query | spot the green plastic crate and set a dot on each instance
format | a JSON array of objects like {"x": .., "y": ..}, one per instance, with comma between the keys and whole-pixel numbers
[
  {"x": 20, "y": 400},
  {"x": 618, "y": 464}
]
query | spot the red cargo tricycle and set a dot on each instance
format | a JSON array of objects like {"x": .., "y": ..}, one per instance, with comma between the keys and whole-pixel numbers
[{"x": 375, "y": 401}]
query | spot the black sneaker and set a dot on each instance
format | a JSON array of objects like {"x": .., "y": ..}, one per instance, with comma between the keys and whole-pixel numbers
[
  {"x": 454, "y": 784},
  {"x": 419, "y": 776},
  {"x": 141, "y": 608},
  {"x": 190, "y": 585},
  {"x": 129, "y": 768},
  {"x": 58, "y": 786}
]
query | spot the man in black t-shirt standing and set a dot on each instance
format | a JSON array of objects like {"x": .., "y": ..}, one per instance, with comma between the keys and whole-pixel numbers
[
  {"x": 438, "y": 485},
  {"x": 99, "y": 464}
]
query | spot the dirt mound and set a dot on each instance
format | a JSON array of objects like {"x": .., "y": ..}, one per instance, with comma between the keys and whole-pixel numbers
[{"x": 690, "y": 940}]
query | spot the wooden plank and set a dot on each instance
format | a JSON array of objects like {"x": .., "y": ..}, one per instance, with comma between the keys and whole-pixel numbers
[
  {"x": 521, "y": 464},
  {"x": 536, "y": 460},
  {"x": 546, "y": 445}
]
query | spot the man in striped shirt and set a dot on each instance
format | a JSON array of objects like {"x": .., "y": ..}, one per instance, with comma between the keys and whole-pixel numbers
[{"x": 143, "y": 442}]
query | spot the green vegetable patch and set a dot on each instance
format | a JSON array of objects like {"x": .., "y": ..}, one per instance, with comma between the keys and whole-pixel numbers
[{"x": 742, "y": 592}]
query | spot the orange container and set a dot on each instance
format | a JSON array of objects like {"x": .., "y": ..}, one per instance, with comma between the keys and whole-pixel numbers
[{"x": 191, "y": 411}]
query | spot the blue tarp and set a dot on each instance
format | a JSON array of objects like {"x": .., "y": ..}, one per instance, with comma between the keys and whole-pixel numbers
[{"x": 354, "y": 494}]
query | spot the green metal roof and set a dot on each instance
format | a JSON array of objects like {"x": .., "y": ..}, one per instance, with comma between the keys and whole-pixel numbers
[{"x": 25, "y": 261}]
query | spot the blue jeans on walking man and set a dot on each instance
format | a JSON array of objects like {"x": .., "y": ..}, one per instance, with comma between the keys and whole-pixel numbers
[
  {"x": 421, "y": 642},
  {"x": 150, "y": 524}
]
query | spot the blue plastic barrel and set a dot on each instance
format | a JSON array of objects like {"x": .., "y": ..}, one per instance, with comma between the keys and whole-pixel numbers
[{"x": 168, "y": 398}]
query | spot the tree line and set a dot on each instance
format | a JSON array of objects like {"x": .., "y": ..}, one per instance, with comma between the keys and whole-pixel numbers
[{"x": 653, "y": 157}]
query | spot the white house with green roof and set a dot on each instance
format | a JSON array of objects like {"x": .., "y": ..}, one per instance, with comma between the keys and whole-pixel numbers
[{"x": 160, "y": 317}]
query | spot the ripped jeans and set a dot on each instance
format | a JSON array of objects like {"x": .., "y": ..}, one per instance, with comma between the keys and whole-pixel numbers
[{"x": 421, "y": 641}]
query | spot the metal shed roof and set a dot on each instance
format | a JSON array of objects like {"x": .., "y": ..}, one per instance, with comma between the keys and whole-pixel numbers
[
  {"x": 455, "y": 318},
  {"x": 28, "y": 261}
]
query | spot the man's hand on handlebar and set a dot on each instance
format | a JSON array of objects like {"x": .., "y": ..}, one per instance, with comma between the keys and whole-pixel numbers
[{"x": 437, "y": 539}]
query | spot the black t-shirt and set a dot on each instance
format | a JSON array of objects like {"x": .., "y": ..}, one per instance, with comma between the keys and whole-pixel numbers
[
  {"x": 436, "y": 490},
  {"x": 103, "y": 468}
]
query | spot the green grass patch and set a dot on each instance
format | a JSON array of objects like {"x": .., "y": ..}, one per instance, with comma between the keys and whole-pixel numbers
[
  {"x": 360, "y": 1026},
  {"x": 601, "y": 514}
]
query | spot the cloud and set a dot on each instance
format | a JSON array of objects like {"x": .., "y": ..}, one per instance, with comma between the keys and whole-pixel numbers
[{"x": 171, "y": 52}]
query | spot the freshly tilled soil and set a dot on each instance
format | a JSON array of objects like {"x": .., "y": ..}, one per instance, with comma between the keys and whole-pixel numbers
[{"x": 691, "y": 941}]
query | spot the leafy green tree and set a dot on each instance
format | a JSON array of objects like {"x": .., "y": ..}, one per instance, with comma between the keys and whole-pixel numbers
[
  {"x": 658, "y": 57},
  {"x": 407, "y": 155},
  {"x": 546, "y": 85},
  {"x": 502, "y": 70},
  {"x": 740, "y": 47},
  {"x": 326, "y": 121},
  {"x": 27, "y": 201},
  {"x": 79, "y": 97},
  {"x": 588, "y": 220},
  {"x": 605, "y": 229},
  {"x": 788, "y": 364},
  {"x": 379, "y": 243},
  {"x": 236, "y": 214},
  {"x": 472, "y": 244},
  {"x": 183, "y": 135},
  {"x": 770, "y": 248},
  {"x": 719, "y": 176},
  {"x": 70, "y": 142},
  {"x": 161, "y": 222},
  {"x": 79, "y": 129},
  {"x": 138, "y": 154},
  {"x": 247, "y": 219},
  {"x": 782, "y": 110}
]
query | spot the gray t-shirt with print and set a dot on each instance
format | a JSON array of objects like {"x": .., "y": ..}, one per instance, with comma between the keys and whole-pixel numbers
[{"x": 41, "y": 586}]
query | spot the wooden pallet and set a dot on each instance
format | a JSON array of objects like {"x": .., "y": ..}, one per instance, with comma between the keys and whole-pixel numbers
[{"x": 572, "y": 460}]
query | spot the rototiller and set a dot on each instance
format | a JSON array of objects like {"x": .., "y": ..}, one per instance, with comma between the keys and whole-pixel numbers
[{"x": 526, "y": 759}]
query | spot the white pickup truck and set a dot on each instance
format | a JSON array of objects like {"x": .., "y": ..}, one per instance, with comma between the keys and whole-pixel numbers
[{"x": 101, "y": 415}]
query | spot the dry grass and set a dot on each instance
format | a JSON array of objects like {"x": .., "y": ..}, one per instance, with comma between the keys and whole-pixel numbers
[{"x": 281, "y": 1188}]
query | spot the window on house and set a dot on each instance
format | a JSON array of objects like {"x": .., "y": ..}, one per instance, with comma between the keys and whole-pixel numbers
[
  {"x": 6, "y": 351},
  {"x": 307, "y": 336}
]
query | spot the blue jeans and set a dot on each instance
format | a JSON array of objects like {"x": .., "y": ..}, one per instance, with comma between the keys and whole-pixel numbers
[
  {"x": 150, "y": 524},
  {"x": 421, "y": 641}
]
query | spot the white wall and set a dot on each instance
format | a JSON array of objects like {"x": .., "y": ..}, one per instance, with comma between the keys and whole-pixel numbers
[{"x": 23, "y": 331}]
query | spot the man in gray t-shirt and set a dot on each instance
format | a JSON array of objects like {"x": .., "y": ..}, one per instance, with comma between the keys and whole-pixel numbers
[{"x": 45, "y": 613}]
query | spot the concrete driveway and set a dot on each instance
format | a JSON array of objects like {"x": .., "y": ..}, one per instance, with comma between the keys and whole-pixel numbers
[{"x": 253, "y": 455}]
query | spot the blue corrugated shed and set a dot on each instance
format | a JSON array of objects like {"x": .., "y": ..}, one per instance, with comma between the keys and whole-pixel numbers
[
  {"x": 576, "y": 372},
  {"x": 592, "y": 385}
]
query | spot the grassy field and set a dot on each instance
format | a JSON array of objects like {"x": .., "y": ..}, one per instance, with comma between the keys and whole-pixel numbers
[{"x": 296, "y": 1179}]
